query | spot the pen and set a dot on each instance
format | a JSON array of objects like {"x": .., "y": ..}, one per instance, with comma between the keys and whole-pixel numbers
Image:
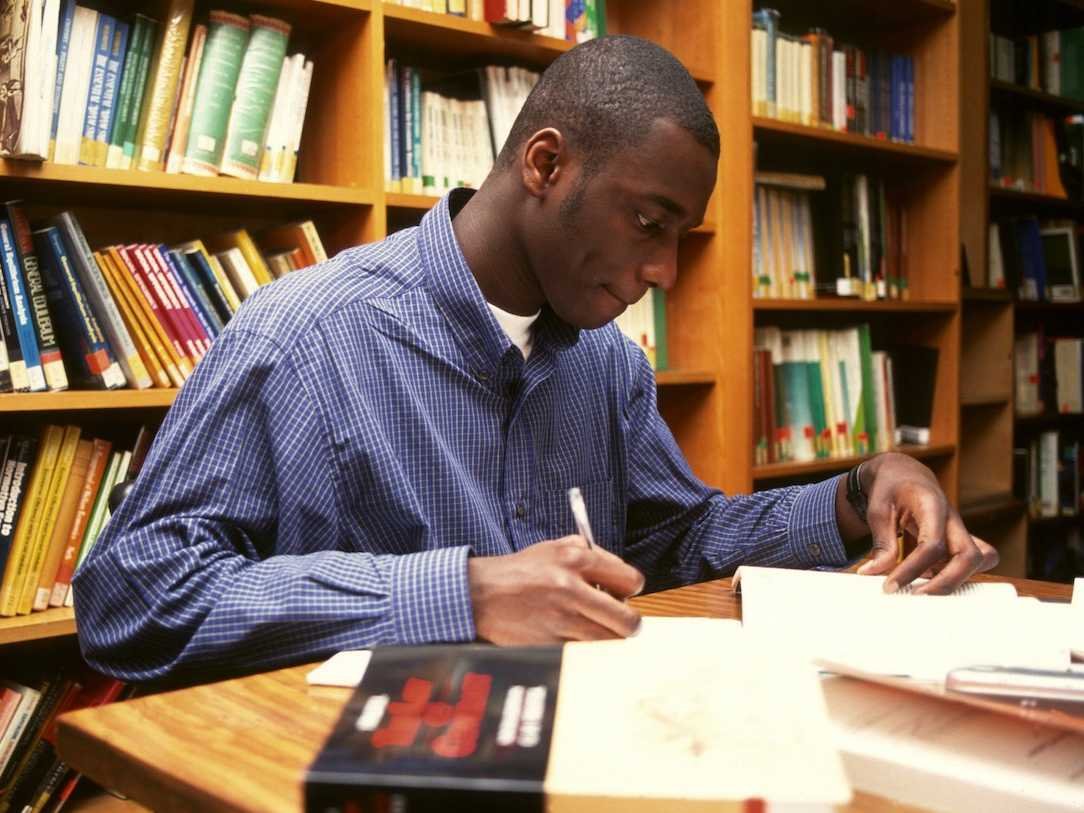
[{"x": 579, "y": 514}]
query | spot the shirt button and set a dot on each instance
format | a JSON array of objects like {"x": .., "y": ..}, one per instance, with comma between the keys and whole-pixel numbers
[
  {"x": 521, "y": 510},
  {"x": 481, "y": 375},
  {"x": 815, "y": 549}
]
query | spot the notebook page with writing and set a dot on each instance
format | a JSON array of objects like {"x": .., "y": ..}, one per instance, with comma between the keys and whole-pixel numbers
[{"x": 849, "y": 619}]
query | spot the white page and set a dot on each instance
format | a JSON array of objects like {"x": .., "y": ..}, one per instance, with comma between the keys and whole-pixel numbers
[
  {"x": 848, "y": 618},
  {"x": 943, "y": 756}
]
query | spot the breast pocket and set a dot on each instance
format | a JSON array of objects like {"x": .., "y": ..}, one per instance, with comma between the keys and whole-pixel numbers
[{"x": 604, "y": 511}]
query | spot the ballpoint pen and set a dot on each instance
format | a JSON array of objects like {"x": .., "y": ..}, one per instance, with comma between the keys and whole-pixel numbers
[{"x": 579, "y": 514}]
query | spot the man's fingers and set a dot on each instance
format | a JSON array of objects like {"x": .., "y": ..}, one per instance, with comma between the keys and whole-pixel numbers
[
  {"x": 601, "y": 567},
  {"x": 990, "y": 556},
  {"x": 600, "y": 608},
  {"x": 928, "y": 513},
  {"x": 966, "y": 559},
  {"x": 885, "y": 552}
]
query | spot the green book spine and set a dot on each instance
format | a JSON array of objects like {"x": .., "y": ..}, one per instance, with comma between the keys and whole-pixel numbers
[
  {"x": 127, "y": 87},
  {"x": 869, "y": 403},
  {"x": 227, "y": 36},
  {"x": 1072, "y": 83},
  {"x": 143, "y": 70},
  {"x": 256, "y": 88},
  {"x": 816, "y": 402},
  {"x": 658, "y": 313}
]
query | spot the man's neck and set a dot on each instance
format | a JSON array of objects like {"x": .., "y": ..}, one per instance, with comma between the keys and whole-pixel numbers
[{"x": 494, "y": 253}]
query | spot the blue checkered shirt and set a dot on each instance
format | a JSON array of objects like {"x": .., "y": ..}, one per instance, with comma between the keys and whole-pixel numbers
[{"x": 358, "y": 431}]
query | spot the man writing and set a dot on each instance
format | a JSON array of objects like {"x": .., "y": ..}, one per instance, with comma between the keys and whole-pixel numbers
[{"x": 378, "y": 450}]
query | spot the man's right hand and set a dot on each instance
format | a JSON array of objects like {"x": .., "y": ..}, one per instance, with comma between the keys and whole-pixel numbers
[{"x": 547, "y": 594}]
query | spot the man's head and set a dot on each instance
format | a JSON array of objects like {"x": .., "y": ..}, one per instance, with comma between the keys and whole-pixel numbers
[{"x": 616, "y": 151}]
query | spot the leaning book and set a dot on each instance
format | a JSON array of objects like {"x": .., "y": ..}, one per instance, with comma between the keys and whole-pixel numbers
[{"x": 670, "y": 720}]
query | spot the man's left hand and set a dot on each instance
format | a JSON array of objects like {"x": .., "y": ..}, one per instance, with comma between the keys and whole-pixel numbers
[{"x": 905, "y": 495}]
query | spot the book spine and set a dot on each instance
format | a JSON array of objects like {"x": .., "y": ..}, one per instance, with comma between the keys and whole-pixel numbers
[
  {"x": 19, "y": 724},
  {"x": 107, "y": 110},
  {"x": 14, "y": 18},
  {"x": 13, "y": 353},
  {"x": 154, "y": 118},
  {"x": 198, "y": 262},
  {"x": 131, "y": 321},
  {"x": 13, "y": 484},
  {"x": 182, "y": 125},
  {"x": 69, "y": 501},
  {"x": 123, "y": 106},
  {"x": 278, "y": 126},
  {"x": 63, "y": 43},
  {"x": 170, "y": 293},
  {"x": 98, "y": 513},
  {"x": 256, "y": 86},
  {"x": 152, "y": 291},
  {"x": 299, "y": 101},
  {"x": 391, "y": 82},
  {"x": 103, "y": 43},
  {"x": 223, "y": 53},
  {"x": 99, "y": 457},
  {"x": 20, "y": 303},
  {"x": 104, "y": 306},
  {"x": 198, "y": 296},
  {"x": 130, "y": 131}
]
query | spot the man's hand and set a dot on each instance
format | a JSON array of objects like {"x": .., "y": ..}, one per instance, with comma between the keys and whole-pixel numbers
[
  {"x": 546, "y": 594},
  {"x": 905, "y": 495}
]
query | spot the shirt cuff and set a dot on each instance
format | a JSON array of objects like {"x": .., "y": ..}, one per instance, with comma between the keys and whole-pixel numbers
[
  {"x": 813, "y": 532},
  {"x": 431, "y": 596}
]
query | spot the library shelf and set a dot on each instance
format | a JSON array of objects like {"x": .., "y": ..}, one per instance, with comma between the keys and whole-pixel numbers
[
  {"x": 23, "y": 402},
  {"x": 773, "y": 127},
  {"x": 126, "y": 185},
  {"x": 420, "y": 203},
  {"x": 51, "y": 623},
  {"x": 988, "y": 506},
  {"x": 674, "y": 378},
  {"x": 1056, "y": 307},
  {"x": 986, "y": 399},
  {"x": 775, "y": 471},
  {"x": 1047, "y": 419},
  {"x": 995, "y": 296},
  {"x": 845, "y": 304},
  {"x": 1048, "y": 102},
  {"x": 1060, "y": 521},
  {"x": 1022, "y": 197}
]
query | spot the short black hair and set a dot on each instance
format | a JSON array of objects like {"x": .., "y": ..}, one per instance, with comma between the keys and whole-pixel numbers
[{"x": 604, "y": 94}]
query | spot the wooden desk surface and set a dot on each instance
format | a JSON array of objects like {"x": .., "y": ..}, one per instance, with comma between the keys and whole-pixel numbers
[{"x": 244, "y": 744}]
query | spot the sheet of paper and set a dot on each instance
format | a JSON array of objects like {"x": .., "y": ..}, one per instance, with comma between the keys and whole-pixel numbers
[
  {"x": 944, "y": 756},
  {"x": 345, "y": 669},
  {"x": 848, "y": 618}
]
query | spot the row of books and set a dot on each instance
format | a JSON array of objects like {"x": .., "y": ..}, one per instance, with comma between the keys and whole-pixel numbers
[
  {"x": 1035, "y": 260},
  {"x": 645, "y": 323},
  {"x": 54, "y": 493},
  {"x": 816, "y": 81},
  {"x": 137, "y": 315},
  {"x": 99, "y": 90},
  {"x": 572, "y": 20},
  {"x": 33, "y": 777},
  {"x": 448, "y": 135},
  {"x": 850, "y": 241},
  {"x": 1052, "y": 61},
  {"x": 1048, "y": 475},
  {"x": 1024, "y": 152},
  {"x": 827, "y": 393},
  {"x": 1048, "y": 374}
]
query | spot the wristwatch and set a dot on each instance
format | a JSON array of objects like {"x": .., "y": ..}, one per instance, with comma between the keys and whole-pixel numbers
[{"x": 858, "y": 499}]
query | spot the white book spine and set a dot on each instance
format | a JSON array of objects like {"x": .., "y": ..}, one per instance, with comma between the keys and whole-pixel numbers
[{"x": 73, "y": 97}]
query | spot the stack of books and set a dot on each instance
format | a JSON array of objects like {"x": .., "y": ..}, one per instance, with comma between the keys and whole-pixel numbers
[{"x": 572, "y": 20}]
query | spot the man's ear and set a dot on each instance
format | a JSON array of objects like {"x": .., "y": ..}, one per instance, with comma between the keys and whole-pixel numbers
[{"x": 544, "y": 159}]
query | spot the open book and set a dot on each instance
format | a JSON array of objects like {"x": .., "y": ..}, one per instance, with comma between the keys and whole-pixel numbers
[{"x": 849, "y": 619}]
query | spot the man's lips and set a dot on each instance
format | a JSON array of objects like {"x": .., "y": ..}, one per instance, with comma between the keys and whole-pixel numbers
[{"x": 626, "y": 301}]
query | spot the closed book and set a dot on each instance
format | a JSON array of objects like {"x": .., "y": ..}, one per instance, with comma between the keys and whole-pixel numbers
[
  {"x": 122, "y": 107},
  {"x": 631, "y": 725},
  {"x": 29, "y": 519},
  {"x": 20, "y": 722},
  {"x": 285, "y": 169},
  {"x": 39, "y": 78},
  {"x": 256, "y": 85},
  {"x": 176, "y": 302},
  {"x": 279, "y": 124},
  {"x": 133, "y": 322},
  {"x": 21, "y": 308},
  {"x": 52, "y": 363},
  {"x": 16, "y": 379},
  {"x": 215, "y": 86},
  {"x": 114, "y": 474},
  {"x": 99, "y": 458},
  {"x": 50, "y": 509},
  {"x": 242, "y": 240},
  {"x": 14, "y": 23},
  {"x": 161, "y": 90},
  {"x": 179, "y": 140},
  {"x": 77, "y": 79},
  {"x": 107, "y": 109},
  {"x": 167, "y": 304},
  {"x": 233, "y": 263},
  {"x": 89, "y": 360},
  {"x": 63, "y": 45},
  {"x": 122, "y": 143},
  {"x": 103, "y": 44},
  {"x": 136, "y": 265},
  {"x": 229, "y": 293},
  {"x": 14, "y": 482},
  {"x": 198, "y": 295},
  {"x": 101, "y": 301},
  {"x": 69, "y": 502},
  {"x": 217, "y": 296}
]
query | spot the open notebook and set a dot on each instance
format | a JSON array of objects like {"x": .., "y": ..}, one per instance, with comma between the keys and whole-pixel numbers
[{"x": 849, "y": 619}]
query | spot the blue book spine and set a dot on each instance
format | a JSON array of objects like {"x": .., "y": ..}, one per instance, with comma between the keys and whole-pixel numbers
[
  {"x": 769, "y": 18},
  {"x": 63, "y": 41},
  {"x": 14, "y": 478},
  {"x": 114, "y": 68},
  {"x": 909, "y": 63},
  {"x": 406, "y": 124},
  {"x": 180, "y": 291},
  {"x": 20, "y": 303},
  {"x": 194, "y": 290},
  {"x": 393, "y": 120},
  {"x": 897, "y": 100},
  {"x": 103, "y": 39},
  {"x": 210, "y": 283},
  {"x": 416, "y": 126}
]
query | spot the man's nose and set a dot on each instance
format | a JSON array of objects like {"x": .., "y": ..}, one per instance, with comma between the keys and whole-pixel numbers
[{"x": 660, "y": 271}]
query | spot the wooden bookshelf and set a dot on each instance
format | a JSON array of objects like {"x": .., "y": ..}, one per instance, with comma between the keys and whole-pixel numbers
[
  {"x": 75, "y": 400},
  {"x": 852, "y": 305},
  {"x": 45, "y": 624},
  {"x": 766, "y": 127},
  {"x": 828, "y": 465},
  {"x": 1035, "y": 99}
]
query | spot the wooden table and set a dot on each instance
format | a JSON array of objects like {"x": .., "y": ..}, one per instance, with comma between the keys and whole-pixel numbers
[{"x": 244, "y": 744}]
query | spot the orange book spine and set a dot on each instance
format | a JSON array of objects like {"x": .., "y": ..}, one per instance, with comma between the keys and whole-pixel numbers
[
  {"x": 69, "y": 501},
  {"x": 135, "y": 326},
  {"x": 99, "y": 456},
  {"x": 152, "y": 307}
]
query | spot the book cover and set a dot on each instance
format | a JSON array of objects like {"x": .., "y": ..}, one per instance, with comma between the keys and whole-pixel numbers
[
  {"x": 77, "y": 80},
  {"x": 103, "y": 45},
  {"x": 123, "y": 142},
  {"x": 178, "y": 141},
  {"x": 14, "y": 19},
  {"x": 14, "y": 481},
  {"x": 122, "y": 107},
  {"x": 99, "y": 458},
  {"x": 21, "y": 309},
  {"x": 69, "y": 502},
  {"x": 161, "y": 91},
  {"x": 148, "y": 297},
  {"x": 63, "y": 45},
  {"x": 107, "y": 108},
  {"x": 39, "y": 76},
  {"x": 217, "y": 272}
]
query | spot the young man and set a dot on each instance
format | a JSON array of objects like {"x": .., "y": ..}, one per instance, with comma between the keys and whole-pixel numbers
[{"x": 378, "y": 450}]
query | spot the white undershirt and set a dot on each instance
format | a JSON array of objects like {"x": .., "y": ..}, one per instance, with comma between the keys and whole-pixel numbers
[{"x": 517, "y": 328}]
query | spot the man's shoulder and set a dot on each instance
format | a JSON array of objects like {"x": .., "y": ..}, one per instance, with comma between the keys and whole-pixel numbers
[{"x": 353, "y": 279}]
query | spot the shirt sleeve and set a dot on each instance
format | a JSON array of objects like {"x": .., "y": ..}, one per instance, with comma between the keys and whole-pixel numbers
[
  {"x": 230, "y": 553},
  {"x": 680, "y": 531}
]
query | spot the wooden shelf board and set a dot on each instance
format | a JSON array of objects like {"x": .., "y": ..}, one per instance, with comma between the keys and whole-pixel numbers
[
  {"x": 86, "y": 399},
  {"x": 984, "y": 295},
  {"x": 773, "y": 126},
  {"x": 421, "y": 203},
  {"x": 774, "y": 471},
  {"x": 51, "y": 623},
  {"x": 155, "y": 183},
  {"x": 672, "y": 378},
  {"x": 1036, "y": 98},
  {"x": 989, "y": 399},
  {"x": 856, "y": 305},
  {"x": 1048, "y": 418},
  {"x": 988, "y": 506},
  {"x": 1009, "y": 194},
  {"x": 1065, "y": 307},
  {"x": 1057, "y": 522}
]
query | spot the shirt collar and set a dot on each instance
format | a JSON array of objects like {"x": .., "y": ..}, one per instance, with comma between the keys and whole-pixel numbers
[{"x": 457, "y": 294}]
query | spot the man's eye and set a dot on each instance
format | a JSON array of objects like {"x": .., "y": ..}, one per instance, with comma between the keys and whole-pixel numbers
[{"x": 646, "y": 223}]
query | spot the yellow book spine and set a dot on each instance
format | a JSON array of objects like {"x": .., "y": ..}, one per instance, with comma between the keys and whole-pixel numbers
[
  {"x": 69, "y": 501},
  {"x": 19, "y": 556},
  {"x": 161, "y": 92},
  {"x": 312, "y": 237},
  {"x": 135, "y": 327},
  {"x": 243, "y": 240},
  {"x": 50, "y": 509}
]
